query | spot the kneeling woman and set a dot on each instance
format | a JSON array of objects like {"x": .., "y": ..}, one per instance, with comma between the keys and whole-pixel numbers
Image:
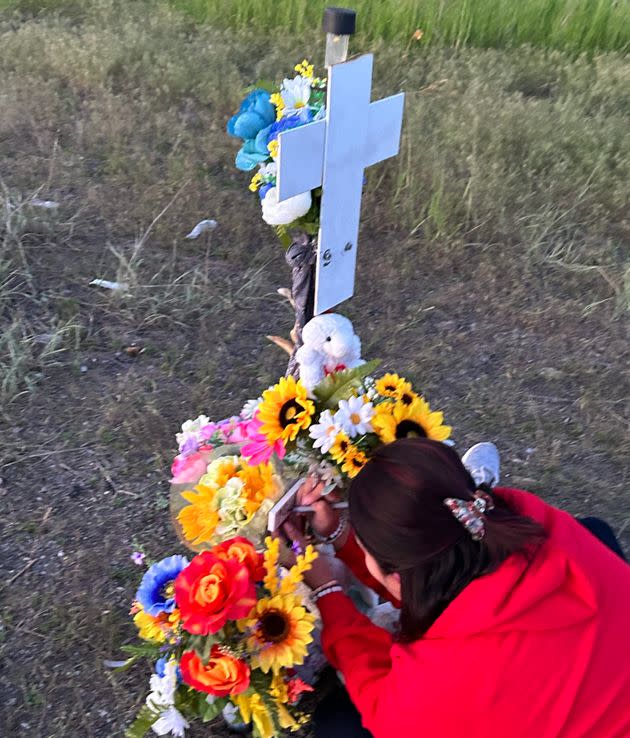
[{"x": 514, "y": 619}]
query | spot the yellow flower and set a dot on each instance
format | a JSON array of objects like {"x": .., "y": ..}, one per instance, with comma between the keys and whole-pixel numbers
[
  {"x": 255, "y": 183},
  {"x": 305, "y": 69},
  {"x": 221, "y": 470},
  {"x": 395, "y": 420},
  {"x": 253, "y": 709},
  {"x": 270, "y": 558},
  {"x": 280, "y": 628},
  {"x": 156, "y": 628},
  {"x": 199, "y": 519},
  {"x": 274, "y": 147},
  {"x": 276, "y": 99},
  {"x": 353, "y": 462},
  {"x": 285, "y": 410},
  {"x": 296, "y": 574},
  {"x": 260, "y": 484},
  {"x": 341, "y": 447},
  {"x": 391, "y": 385}
]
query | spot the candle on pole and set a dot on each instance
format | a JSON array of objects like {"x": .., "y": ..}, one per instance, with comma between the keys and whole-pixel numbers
[{"x": 339, "y": 24}]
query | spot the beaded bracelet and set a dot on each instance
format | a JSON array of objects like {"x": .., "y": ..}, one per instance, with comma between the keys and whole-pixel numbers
[
  {"x": 330, "y": 583},
  {"x": 326, "y": 591},
  {"x": 337, "y": 533}
]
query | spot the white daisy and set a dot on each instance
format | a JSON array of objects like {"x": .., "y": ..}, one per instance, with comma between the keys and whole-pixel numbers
[
  {"x": 324, "y": 432},
  {"x": 249, "y": 408},
  {"x": 295, "y": 94},
  {"x": 354, "y": 416},
  {"x": 171, "y": 722}
]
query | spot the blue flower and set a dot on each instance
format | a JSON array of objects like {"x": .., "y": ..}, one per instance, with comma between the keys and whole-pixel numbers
[
  {"x": 256, "y": 112},
  {"x": 264, "y": 189},
  {"x": 160, "y": 668},
  {"x": 155, "y": 593},
  {"x": 253, "y": 152},
  {"x": 286, "y": 124}
]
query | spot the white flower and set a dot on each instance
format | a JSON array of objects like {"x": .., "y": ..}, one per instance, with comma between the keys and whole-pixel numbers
[
  {"x": 163, "y": 687},
  {"x": 191, "y": 430},
  {"x": 296, "y": 94},
  {"x": 324, "y": 432},
  {"x": 170, "y": 721},
  {"x": 282, "y": 213},
  {"x": 354, "y": 416},
  {"x": 230, "y": 507},
  {"x": 328, "y": 473},
  {"x": 249, "y": 408},
  {"x": 268, "y": 171}
]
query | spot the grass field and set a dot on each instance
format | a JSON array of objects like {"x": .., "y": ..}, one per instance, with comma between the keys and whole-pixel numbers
[{"x": 494, "y": 271}]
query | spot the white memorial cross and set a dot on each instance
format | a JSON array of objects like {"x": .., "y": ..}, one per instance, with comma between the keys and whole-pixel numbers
[{"x": 333, "y": 153}]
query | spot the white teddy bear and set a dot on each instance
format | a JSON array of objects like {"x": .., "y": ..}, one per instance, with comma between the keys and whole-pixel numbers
[{"x": 329, "y": 345}]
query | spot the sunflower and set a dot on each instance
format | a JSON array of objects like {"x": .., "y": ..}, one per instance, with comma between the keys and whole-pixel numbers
[
  {"x": 353, "y": 462},
  {"x": 280, "y": 628},
  {"x": 391, "y": 385},
  {"x": 199, "y": 520},
  {"x": 395, "y": 420},
  {"x": 285, "y": 410},
  {"x": 341, "y": 447}
]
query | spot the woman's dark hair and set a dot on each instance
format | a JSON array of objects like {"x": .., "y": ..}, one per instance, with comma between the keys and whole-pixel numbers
[{"x": 398, "y": 513}]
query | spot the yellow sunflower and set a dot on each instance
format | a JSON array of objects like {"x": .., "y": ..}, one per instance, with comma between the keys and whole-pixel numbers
[
  {"x": 260, "y": 484},
  {"x": 199, "y": 519},
  {"x": 391, "y": 385},
  {"x": 394, "y": 420},
  {"x": 280, "y": 628},
  {"x": 353, "y": 462},
  {"x": 285, "y": 410},
  {"x": 341, "y": 447}
]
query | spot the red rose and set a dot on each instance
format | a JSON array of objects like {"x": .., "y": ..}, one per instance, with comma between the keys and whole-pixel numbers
[
  {"x": 221, "y": 676},
  {"x": 210, "y": 591},
  {"x": 243, "y": 551}
]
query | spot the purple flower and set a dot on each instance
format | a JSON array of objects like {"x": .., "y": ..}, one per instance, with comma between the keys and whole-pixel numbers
[
  {"x": 188, "y": 447},
  {"x": 138, "y": 558}
]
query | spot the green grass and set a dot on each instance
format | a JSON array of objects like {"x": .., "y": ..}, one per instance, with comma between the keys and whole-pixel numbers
[
  {"x": 570, "y": 24},
  {"x": 575, "y": 25}
]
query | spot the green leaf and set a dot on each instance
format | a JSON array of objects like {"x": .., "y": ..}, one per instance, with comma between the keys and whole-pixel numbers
[
  {"x": 142, "y": 649},
  {"x": 284, "y": 236},
  {"x": 142, "y": 724},
  {"x": 211, "y": 711},
  {"x": 341, "y": 385}
]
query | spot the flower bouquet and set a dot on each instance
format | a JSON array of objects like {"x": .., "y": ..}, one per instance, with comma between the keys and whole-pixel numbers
[
  {"x": 263, "y": 115},
  {"x": 225, "y": 631}
]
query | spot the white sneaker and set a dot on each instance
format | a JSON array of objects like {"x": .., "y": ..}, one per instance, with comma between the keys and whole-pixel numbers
[{"x": 483, "y": 463}]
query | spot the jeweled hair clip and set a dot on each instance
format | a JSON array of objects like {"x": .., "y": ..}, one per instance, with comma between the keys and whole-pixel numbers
[{"x": 471, "y": 513}]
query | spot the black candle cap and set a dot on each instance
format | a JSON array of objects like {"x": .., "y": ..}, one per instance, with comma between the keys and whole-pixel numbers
[{"x": 340, "y": 21}]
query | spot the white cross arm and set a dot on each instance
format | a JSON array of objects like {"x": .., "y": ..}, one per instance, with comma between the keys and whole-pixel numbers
[
  {"x": 301, "y": 159},
  {"x": 384, "y": 129}
]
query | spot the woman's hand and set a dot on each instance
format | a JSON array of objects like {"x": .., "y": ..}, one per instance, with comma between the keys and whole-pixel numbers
[
  {"x": 325, "y": 519},
  {"x": 322, "y": 570}
]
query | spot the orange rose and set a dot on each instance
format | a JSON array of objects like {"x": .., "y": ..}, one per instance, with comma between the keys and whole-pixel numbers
[
  {"x": 221, "y": 676},
  {"x": 243, "y": 551},
  {"x": 210, "y": 591}
]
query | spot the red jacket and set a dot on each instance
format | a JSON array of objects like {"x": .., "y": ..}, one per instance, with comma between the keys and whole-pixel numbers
[{"x": 530, "y": 651}]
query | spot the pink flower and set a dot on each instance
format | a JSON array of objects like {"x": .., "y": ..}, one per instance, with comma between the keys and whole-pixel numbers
[
  {"x": 258, "y": 450},
  {"x": 188, "y": 469}
]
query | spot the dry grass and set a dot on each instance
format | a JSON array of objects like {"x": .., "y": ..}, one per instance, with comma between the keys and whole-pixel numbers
[{"x": 494, "y": 271}]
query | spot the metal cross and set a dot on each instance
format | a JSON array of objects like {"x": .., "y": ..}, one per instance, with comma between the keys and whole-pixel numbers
[{"x": 333, "y": 153}]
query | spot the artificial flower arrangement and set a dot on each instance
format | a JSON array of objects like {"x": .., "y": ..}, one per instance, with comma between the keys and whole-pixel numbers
[
  {"x": 262, "y": 116},
  {"x": 331, "y": 430},
  {"x": 225, "y": 631}
]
